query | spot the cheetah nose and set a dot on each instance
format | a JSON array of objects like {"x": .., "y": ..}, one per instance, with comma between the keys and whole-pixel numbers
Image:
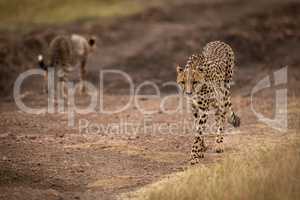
[{"x": 188, "y": 93}]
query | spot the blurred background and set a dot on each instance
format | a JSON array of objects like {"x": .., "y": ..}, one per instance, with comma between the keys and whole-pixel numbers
[{"x": 148, "y": 38}]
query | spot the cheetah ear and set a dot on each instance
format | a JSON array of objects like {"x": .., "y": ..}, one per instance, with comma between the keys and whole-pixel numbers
[
  {"x": 179, "y": 68},
  {"x": 92, "y": 41}
]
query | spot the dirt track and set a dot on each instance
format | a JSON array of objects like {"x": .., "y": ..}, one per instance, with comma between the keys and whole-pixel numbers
[{"x": 41, "y": 158}]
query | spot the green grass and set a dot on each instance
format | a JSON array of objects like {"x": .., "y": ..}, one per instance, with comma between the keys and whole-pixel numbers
[
  {"x": 14, "y": 13},
  {"x": 271, "y": 173}
]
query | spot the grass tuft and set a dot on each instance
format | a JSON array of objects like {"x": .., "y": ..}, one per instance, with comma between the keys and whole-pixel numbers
[{"x": 267, "y": 173}]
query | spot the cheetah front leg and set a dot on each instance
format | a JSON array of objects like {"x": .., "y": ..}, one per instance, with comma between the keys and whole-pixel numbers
[
  {"x": 199, "y": 147},
  {"x": 45, "y": 85},
  {"x": 220, "y": 122},
  {"x": 61, "y": 83},
  {"x": 82, "y": 76}
]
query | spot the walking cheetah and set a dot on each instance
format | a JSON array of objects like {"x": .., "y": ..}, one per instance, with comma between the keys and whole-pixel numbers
[
  {"x": 206, "y": 79},
  {"x": 64, "y": 53}
]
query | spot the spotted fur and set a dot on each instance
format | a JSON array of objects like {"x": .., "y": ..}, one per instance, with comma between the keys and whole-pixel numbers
[{"x": 206, "y": 79}]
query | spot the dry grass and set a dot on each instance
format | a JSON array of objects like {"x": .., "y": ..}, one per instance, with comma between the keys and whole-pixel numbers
[
  {"x": 110, "y": 183},
  {"x": 15, "y": 13},
  {"x": 269, "y": 172}
]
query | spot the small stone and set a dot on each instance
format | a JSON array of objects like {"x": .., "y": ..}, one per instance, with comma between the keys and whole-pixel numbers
[
  {"x": 32, "y": 137},
  {"x": 80, "y": 170},
  {"x": 53, "y": 195},
  {"x": 68, "y": 152},
  {"x": 60, "y": 134}
]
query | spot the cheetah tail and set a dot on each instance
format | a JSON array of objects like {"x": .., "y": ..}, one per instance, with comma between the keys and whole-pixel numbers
[
  {"x": 234, "y": 120},
  {"x": 41, "y": 62}
]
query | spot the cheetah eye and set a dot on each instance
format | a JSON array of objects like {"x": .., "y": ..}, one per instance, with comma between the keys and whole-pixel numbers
[
  {"x": 181, "y": 82},
  {"x": 195, "y": 82}
]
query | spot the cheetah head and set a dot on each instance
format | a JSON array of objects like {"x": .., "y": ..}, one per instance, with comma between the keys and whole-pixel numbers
[{"x": 188, "y": 78}]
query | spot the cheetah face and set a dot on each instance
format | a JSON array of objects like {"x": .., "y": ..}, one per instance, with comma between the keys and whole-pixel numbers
[{"x": 188, "y": 79}]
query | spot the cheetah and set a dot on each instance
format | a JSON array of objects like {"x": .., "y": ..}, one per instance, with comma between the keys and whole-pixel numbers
[
  {"x": 63, "y": 54},
  {"x": 206, "y": 80}
]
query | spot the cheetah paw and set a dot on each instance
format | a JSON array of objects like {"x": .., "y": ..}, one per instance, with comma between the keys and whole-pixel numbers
[
  {"x": 219, "y": 150},
  {"x": 196, "y": 159}
]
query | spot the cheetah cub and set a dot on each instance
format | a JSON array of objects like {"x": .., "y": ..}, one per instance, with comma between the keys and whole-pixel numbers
[
  {"x": 206, "y": 80},
  {"x": 63, "y": 54}
]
